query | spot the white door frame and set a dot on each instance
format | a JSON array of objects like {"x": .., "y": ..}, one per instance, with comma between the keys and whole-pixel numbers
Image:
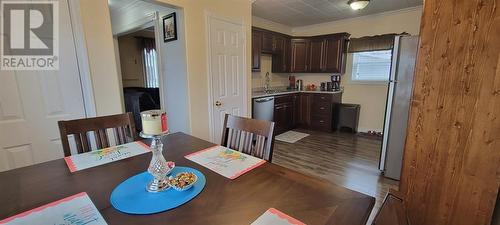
[
  {"x": 83, "y": 61},
  {"x": 82, "y": 58},
  {"x": 209, "y": 16}
]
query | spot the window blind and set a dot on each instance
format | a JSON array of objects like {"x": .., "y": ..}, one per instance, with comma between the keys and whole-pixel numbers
[{"x": 372, "y": 66}]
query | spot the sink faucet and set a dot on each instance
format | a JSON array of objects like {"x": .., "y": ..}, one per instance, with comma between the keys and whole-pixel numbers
[{"x": 267, "y": 82}]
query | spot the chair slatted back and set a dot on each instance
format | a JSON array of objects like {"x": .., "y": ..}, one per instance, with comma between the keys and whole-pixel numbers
[
  {"x": 122, "y": 125},
  {"x": 250, "y": 136}
]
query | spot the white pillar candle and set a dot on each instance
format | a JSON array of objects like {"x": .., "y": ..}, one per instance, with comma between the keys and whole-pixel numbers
[{"x": 154, "y": 122}]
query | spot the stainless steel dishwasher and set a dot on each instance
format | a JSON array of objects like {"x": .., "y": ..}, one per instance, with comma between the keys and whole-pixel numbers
[{"x": 263, "y": 108}]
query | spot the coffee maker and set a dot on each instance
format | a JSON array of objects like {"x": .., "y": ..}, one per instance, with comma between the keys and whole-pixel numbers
[{"x": 335, "y": 82}]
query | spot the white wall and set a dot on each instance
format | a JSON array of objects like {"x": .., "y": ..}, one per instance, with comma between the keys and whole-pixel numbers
[
  {"x": 192, "y": 15},
  {"x": 371, "y": 97},
  {"x": 175, "y": 100},
  {"x": 176, "y": 95},
  {"x": 270, "y": 25},
  {"x": 195, "y": 25},
  {"x": 388, "y": 22}
]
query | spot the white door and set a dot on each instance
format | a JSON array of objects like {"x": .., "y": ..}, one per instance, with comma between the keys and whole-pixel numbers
[
  {"x": 31, "y": 103},
  {"x": 227, "y": 71}
]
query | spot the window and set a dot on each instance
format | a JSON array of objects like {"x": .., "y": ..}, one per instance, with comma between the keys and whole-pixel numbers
[
  {"x": 371, "y": 66},
  {"x": 150, "y": 65}
]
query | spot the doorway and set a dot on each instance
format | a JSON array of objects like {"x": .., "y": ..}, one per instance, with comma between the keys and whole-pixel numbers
[{"x": 138, "y": 60}]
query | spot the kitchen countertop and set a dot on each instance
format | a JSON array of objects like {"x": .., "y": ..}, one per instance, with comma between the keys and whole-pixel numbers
[{"x": 260, "y": 94}]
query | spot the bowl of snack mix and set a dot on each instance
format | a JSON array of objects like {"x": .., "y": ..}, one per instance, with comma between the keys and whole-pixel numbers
[{"x": 182, "y": 181}]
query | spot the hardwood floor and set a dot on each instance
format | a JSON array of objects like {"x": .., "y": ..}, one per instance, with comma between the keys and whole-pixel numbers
[{"x": 345, "y": 159}]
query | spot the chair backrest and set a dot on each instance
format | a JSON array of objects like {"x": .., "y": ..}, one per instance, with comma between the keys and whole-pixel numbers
[
  {"x": 122, "y": 125},
  {"x": 250, "y": 136}
]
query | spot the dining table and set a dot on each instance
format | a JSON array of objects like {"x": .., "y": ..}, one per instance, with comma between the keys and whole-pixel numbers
[{"x": 309, "y": 199}]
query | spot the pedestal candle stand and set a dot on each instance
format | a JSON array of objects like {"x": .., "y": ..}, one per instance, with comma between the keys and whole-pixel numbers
[{"x": 158, "y": 165}]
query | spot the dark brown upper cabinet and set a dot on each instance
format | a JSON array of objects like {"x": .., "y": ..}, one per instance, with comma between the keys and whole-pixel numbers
[
  {"x": 335, "y": 54},
  {"x": 281, "y": 60},
  {"x": 268, "y": 42},
  {"x": 256, "y": 49},
  {"x": 317, "y": 55},
  {"x": 278, "y": 44},
  {"x": 300, "y": 56},
  {"x": 327, "y": 54}
]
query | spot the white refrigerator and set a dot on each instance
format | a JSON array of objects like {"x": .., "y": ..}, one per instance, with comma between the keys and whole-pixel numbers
[{"x": 398, "y": 105}]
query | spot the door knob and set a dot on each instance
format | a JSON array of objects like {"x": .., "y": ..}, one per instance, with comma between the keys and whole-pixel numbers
[{"x": 218, "y": 103}]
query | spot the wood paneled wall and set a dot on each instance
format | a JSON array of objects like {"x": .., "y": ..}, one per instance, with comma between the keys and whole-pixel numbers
[{"x": 451, "y": 172}]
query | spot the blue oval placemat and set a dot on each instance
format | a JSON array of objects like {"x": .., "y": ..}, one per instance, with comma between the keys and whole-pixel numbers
[{"x": 131, "y": 196}]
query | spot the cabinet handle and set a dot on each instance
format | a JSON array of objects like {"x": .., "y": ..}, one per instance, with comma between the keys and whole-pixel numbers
[
  {"x": 322, "y": 108},
  {"x": 321, "y": 121},
  {"x": 323, "y": 98}
]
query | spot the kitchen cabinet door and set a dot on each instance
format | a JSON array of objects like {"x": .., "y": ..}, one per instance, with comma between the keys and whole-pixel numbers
[
  {"x": 334, "y": 58},
  {"x": 279, "y": 44},
  {"x": 283, "y": 115},
  {"x": 268, "y": 42},
  {"x": 256, "y": 49},
  {"x": 316, "y": 55},
  {"x": 296, "y": 110},
  {"x": 300, "y": 53},
  {"x": 281, "y": 60},
  {"x": 304, "y": 117},
  {"x": 287, "y": 56}
]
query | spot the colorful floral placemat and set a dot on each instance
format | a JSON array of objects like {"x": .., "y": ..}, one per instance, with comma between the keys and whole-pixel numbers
[
  {"x": 74, "y": 210},
  {"x": 106, "y": 155},
  {"x": 224, "y": 161}
]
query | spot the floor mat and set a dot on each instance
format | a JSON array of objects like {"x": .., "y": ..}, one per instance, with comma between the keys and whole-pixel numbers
[{"x": 291, "y": 136}]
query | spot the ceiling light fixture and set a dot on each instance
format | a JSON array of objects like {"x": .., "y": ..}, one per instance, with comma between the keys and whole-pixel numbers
[{"x": 358, "y": 4}]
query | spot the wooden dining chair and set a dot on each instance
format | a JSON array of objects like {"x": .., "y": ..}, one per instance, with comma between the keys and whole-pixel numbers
[
  {"x": 250, "y": 136},
  {"x": 122, "y": 125}
]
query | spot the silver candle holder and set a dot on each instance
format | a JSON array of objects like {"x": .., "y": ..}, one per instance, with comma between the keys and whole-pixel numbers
[{"x": 158, "y": 167}]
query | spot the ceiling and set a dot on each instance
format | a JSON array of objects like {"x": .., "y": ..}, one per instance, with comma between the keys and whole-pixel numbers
[
  {"x": 118, "y": 4},
  {"x": 297, "y": 13}
]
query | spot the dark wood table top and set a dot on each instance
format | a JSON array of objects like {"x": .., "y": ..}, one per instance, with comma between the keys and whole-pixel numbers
[{"x": 223, "y": 201}]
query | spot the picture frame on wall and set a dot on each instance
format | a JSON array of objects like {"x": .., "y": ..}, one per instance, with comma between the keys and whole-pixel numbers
[{"x": 169, "y": 27}]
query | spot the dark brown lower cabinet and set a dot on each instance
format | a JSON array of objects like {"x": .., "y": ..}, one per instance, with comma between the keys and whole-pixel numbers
[
  {"x": 296, "y": 110},
  {"x": 305, "y": 110},
  {"x": 283, "y": 113},
  {"x": 322, "y": 111}
]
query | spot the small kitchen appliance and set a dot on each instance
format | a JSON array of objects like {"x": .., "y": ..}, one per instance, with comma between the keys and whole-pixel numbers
[
  {"x": 335, "y": 82},
  {"x": 323, "y": 86},
  {"x": 329, "y": 86},
  {"x": 300, "y": 85},
  {"x": 291, "y": 80}
]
